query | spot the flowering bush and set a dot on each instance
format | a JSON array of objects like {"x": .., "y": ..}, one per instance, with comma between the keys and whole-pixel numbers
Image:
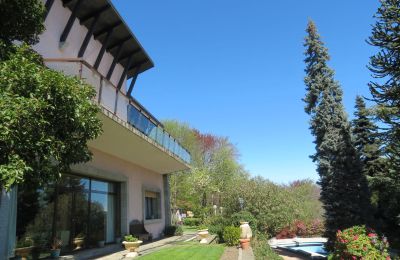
[
  {"x": 301, "y": 229},
  {"x": 359, "y": 243}
]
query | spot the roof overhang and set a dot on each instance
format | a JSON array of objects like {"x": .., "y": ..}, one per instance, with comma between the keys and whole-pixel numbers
[{"x": 122, "y": 43}]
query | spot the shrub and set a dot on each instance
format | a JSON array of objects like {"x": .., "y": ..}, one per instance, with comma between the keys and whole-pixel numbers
[
  {"x": 216, "y": 226},
  {"x": 192, "y": 221},
  {"x": 359, "y": 243},
  {"x": 130, "y": 238},
  {"x": 173, "y": 231},
  {"x": 178, "y": 231},
  {"x": 244, "y": 216},
  {"x": 231, "y": 235},
  {"x": 302, "y": 229},
  {"x": 286, "y": 232},
  {"x": 262, "y": 250}
]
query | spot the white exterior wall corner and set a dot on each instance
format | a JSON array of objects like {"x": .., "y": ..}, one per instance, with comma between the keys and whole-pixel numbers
[{"x": 49, "y": 42}]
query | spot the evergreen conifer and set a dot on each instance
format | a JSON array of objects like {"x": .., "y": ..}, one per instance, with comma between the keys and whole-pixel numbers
[{"x": 344, "y": 189}]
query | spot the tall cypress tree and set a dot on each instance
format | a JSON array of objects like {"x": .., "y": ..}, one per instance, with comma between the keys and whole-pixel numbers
[
  {"x": 344, "y": 190},
  {"x": 385, "y": 90}
]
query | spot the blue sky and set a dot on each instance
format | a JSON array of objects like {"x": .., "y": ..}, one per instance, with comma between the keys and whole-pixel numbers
[{"x": 235, "y": 68}]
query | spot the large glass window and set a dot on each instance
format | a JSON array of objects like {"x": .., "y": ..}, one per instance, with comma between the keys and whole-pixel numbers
[
  {"x": 152, "y": 205},
  {"x": 74, "y": 207}
]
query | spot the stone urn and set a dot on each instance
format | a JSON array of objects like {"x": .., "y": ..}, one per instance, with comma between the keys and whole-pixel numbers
[
  {"x": 203, "y": 234},
  {"x": 23, "y": 252},
  {"x": 78, "y": 241},
  {"x": 245, "y": 230},
  {"x": 132, "y": 246}
]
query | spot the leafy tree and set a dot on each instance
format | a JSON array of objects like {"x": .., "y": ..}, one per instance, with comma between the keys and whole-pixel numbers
[
  {"x": 344, "y": 190},
  {"x": 385, "y": 90},
  {"x": 21, "y": 20},
  {"x": 46, "y": 119}
]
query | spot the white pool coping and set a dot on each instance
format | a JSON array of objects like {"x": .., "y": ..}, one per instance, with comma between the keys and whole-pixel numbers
[{"x": 283, "y": 243}]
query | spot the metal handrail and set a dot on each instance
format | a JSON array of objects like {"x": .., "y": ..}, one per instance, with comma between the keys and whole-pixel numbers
[{"x": 132, "y": 102}]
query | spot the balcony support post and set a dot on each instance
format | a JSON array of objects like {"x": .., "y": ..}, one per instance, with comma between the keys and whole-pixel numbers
[
  {"x": 123, "y": 75},
  {"x": 70, "y": 22},
  {"x": 48, "y": 5},
  {"x": 103, "y": 49},
  {"x": 114, "y": 63},
  {"x": 88, "y": 36},
  {"x": 133, "y": 81}
]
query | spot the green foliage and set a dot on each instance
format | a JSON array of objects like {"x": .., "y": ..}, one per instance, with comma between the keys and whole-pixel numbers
[
  {"x": 358, "y": 243},
  {"x": 231, "y": 235},
  {"x": 21, "y": 20},
  {"x": 192, "y": 221},
  {"x": 173, "y": 231},
  {"x": 262, "y": 250},
  {"x": 242, "y": 216},
  {"x": 130, "y": 238},
  {"x": 216, "y": 178},
  {"x": 46, "y": 119},
  {"x": 216, "y": 225},
  {"x": 385, "y": 91},
  {"x": 178, "y": 231},
  {"x": 344, "y": 189},
  {"x": 24, "y": 242}
]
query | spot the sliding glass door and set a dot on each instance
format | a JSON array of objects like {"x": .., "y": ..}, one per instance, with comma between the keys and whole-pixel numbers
[{"x": 74, "y": 207}]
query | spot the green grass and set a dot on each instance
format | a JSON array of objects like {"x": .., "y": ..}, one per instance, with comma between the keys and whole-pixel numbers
[
  {"x": 189, "y": 229},
  {"x": 188, "y": 251}
]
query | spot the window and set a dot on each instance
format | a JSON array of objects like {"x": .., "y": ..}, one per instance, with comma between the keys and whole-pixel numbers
[{"x": 152, "y": 204}]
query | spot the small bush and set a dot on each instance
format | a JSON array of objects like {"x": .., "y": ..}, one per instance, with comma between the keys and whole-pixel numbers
[
  {"x": 244, "y": 216},
  {"x": 178, "y": 231},
  {"x": 173, "y": 231},
  {"x": 231, "y": 235},
  {"x": 216, "y": 225},
  {"x": 262, "y": 250},
  {"x": 192, "y": 221},
  {"x": 130, "y": 238},
  {"x": 286, "y": 232},
  {"x": 359, "y": 243}
]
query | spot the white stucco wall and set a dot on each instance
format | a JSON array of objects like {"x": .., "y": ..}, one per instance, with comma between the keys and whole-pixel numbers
[
  {"x": 137, "y": 180},
  {"x": 49, "y": 44}
]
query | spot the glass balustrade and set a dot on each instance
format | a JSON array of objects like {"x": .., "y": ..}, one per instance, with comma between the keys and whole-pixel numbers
[{"x": 106, "y": 96}]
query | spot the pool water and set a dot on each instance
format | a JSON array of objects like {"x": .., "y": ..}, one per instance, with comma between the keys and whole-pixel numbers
[{"x": 310, "y": 248}]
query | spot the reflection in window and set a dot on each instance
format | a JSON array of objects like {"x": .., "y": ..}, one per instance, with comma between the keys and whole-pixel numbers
[{"x": 152, "y": 205}]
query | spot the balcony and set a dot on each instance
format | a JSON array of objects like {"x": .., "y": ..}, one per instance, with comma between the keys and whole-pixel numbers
[{"x": 131, "y": 115}]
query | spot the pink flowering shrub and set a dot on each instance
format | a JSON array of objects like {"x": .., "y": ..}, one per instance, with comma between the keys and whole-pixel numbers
[{"x": 358, "y": 243}]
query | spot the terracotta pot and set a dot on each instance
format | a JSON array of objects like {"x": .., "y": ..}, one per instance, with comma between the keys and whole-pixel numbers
[
  {"x": 132, "y": 246},
  {"x": 23, "y": 252},
  {"x": 244, "y": 243}
]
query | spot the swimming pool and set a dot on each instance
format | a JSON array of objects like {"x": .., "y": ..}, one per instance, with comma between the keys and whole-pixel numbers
[{"x": 313, "y": 250}]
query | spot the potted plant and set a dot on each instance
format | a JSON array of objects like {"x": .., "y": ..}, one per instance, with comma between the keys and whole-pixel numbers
[
  {"x": 79, "y": 240},
  {"x": 132, "y": 243},
  {"x": 24, "y": 248},
  {"x": 55, "y": 248}
]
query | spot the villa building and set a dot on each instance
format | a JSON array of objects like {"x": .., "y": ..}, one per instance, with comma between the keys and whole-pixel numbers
[{"x": 127, "y": 179}]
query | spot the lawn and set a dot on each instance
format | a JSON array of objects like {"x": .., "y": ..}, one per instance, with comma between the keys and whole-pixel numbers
[
  {"x": 190, "y": 251},
  {"x": 189, "y": 229}
]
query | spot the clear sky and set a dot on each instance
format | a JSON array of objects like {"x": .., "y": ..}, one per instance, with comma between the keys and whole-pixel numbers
[{"x": 235, "y": 68}]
